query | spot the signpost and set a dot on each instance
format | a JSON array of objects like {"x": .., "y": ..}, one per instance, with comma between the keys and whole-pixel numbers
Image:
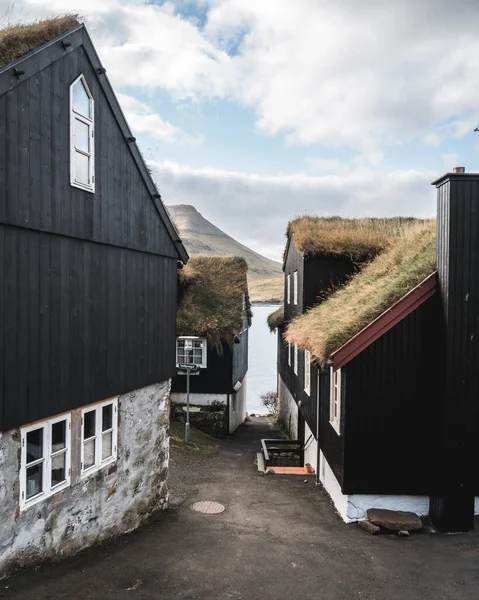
[{"x": 188, "y": 369}]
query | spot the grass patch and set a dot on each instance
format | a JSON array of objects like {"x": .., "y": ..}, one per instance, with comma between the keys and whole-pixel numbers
[
  {"x": 392, "y": 274},
  {"x": 211, "y": 298},
  {"x": 200, "y": 442},
  {"x": 357, "y": 239},
  {"x": 18, "y": 40},
  {"x": 276, "y": 318}
]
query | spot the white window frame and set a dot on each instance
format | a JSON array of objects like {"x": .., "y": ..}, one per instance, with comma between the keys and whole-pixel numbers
[
  {"x": 91, "y": 132},
  {"x": 99, "y": 463},
  {"x": 295, "y": 288},
  {"x": 204, "y": 346},
  {"x": 288, "y": 288},
  {"x": 296, "y": 359},
  {"x": 335, "y": 400},
  {"x": 307, "y": 372},
  {"x": 46, "y": 460},
  {"x": 289, "y": 353}
]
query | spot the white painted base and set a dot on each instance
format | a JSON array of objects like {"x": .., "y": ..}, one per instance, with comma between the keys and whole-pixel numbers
[
  {"x": 238, "y": 407},
  {"x": 354, "y": 507},
  {"x": 198, "y": 399},
  {"x": 288, "y": 409},
  {"x": 310, "y": 448}
]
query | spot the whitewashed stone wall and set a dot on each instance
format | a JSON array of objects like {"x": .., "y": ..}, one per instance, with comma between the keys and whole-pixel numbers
[
  {"x": 288, "y": 409},
  {"x": 237, "y": 412},
  {"x": 111, "y": 501}
]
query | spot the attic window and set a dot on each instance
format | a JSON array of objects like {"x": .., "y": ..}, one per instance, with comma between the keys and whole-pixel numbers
[
  {"x": 82, "y": 147},
  {"x": 191, "y": 351}
]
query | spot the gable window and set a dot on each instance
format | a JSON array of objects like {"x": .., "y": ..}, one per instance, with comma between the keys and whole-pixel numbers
[
  {"x": 335, "y": 400},
  {"x": 191, "y": 351},
  {"x": 45, "y": 459},
  {"x": 82, "y": 147},
  {"x": 295, "y": 359},
  {"x": 307, "y": 371},
  {"x": 288, "y": 289},
  {"x": 289, "y": 353},
  {"x": 295, "y": 287},
  {"x": 99, "y": 433}
]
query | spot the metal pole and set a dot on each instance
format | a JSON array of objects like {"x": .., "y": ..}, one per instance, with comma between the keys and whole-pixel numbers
[{"x": 187, "y": 424}]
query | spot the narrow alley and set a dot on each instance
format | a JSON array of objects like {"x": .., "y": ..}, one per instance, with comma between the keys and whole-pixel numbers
[{"x": 278, "y": 538}]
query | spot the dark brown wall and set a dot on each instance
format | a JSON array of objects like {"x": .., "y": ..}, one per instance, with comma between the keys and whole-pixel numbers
[{"x": 217, "y": 378}]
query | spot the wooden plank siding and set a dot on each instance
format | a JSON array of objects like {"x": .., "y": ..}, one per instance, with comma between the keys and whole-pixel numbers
[
  {"x": 81, "y": 322},
  {"x": 88, "y": 282},
  {"x": 36, "y": 161},
  {"x": 390, "y": 422}
]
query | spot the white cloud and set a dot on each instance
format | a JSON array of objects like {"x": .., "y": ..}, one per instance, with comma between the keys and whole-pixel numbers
[
  {"x": 255, "y": 209},
  {"x": 142, "y": 119},
  {"x": 365, "y": 75}
]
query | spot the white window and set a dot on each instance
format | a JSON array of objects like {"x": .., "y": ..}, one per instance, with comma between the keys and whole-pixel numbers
[
  {"x": 45, "y": 459},
  {"x": 288, "y": 289},
  {"x": 295, "y": 287},
  {"x": 335, "y": 400},
  {"x": 289, "y": 353},
  {"x": 82, "y": 147},
  {"x": 307, "y": 371},
  {"x": 191, "y": 351},
  {"x": 99, "y": 434},
  {"x": 295, "y": 359}
]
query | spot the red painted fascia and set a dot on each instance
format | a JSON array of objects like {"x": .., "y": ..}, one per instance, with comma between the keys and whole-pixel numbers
[{"x": 398, "y": 311}]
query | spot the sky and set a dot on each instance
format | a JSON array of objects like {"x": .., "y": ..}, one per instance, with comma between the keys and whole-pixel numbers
[{"x": 257, "y": 111}]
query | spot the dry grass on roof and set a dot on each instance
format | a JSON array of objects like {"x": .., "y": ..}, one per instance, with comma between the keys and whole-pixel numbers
[
  {"x": 17, "y": 40},
  {"x": 276, "y": 318},
  {"x": 211, "y": 298},
  {"x": 392, "y": 274},
  {"x": 357, "y": 239}
]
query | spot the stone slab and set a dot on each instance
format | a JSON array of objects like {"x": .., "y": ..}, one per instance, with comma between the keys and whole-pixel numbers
[{"x": 394, "y": 520}]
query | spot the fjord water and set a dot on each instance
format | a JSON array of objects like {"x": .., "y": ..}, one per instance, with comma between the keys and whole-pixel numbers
[{"x": 262, "y": 358}]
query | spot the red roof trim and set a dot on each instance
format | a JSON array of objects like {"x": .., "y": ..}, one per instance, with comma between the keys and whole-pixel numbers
[{"x": 386, "y": 321}]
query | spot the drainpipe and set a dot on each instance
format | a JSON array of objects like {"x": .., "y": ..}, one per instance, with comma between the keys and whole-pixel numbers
[{"x": 317, "y": 425}]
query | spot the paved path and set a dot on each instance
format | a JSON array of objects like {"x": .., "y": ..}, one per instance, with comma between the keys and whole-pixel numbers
[{"x": 279, "y": 539}]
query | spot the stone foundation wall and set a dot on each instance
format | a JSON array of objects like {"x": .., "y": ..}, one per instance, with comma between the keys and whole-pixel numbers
[
  {"x": 288, "y": 409},
  {"x": 109, "y": 502}
]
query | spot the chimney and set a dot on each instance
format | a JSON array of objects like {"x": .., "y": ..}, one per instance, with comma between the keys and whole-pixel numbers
[{"x": 452, "y": 508}]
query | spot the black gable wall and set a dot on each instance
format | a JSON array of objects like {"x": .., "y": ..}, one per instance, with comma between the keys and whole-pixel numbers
[
  {"x": 35, "y": 166},
  {"x": 87, "y": 281}
]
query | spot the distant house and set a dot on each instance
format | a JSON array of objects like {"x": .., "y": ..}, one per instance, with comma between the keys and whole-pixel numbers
[
  {"x": 214, "y": 315},
  {"x": 377, "y": 365},
  {"x": 88, "y": 300}
]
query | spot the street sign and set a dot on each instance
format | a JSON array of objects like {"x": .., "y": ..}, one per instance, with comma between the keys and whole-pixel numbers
[
  {"x": 188, "y": 371},
  {"x": 188, "y": 367}
]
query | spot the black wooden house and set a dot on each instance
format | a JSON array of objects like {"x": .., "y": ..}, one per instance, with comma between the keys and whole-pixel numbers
[
  {"x": 214, "y": 315},
  {"x": 375, "y": 373},
  {"x": 88, "y": 275}
]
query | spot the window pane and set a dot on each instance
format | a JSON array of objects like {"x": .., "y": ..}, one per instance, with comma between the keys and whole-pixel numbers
[
  {"x": 34, "y": 480},
  {"x": 82, "y": 136},
  {"x": 107, "y": 445},
  {"x": 34, "y": 445},
  {"x": 107, "y": 420},
  {"x": 197, "y": 344},
  {"x": 58, "y": 468},
  {"x": 82, "y": 168},
  {"x": 89, "y": 424},
  {"x": 59, "y": 436},
  {"x": 89, "y": 453},
  {"x": 81, "y": 101}
]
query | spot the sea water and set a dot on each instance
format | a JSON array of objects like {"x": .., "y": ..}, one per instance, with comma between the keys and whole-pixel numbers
[{"x": 262, "y": 358}]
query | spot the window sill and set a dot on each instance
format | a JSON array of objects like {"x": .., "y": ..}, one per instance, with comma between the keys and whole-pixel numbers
[
  {"x": 96, "y": 469},
  {"x": 85, "y": 188}
]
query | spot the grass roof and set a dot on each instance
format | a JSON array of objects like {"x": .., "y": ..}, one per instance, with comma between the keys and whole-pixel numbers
[
  {"x": 276, "y": 318},
  {"x": 375, "y": 288},
  {"x": 357, "y": 239},
  {"x": 18, "y": 40},
  {"x": 211, "y": 298}
]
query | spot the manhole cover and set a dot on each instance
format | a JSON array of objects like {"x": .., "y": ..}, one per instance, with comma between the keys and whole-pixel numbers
[{"x": 208, "y": 507}]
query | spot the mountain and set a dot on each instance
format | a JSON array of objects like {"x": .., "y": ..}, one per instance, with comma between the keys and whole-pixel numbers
[{"x": 200, "y": 236}]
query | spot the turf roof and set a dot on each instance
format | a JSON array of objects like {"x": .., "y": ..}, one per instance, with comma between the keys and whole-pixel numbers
[
  {"x": 407, "y": 261},
  {"x": 276, "y": 318},
  {"x": 211, "y": 298},
  {"x": 18, "y": 40},
  {"x": 357, "y": 239}
]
